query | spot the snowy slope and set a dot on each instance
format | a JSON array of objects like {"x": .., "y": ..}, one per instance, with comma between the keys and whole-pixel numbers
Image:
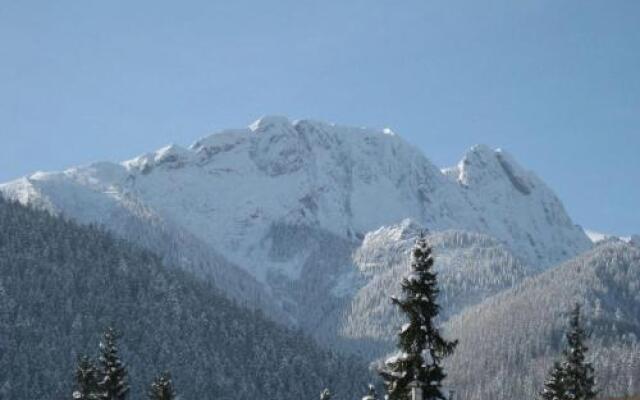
[
  {"x": 517, "y": 207},
  {"x": 519, "y": 331},
  {"x": 471, "y": 267},
  {"x": 275, "y": 212}
]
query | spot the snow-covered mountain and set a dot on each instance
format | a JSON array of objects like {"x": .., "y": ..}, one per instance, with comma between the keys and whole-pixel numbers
[{"x": 286, "y": 215}]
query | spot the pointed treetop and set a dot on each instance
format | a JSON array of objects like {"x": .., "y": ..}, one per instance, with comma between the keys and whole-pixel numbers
[
  {"x": 114, "y": 383},
  {"x": 421, "y": 347},
  {"x": 162, "y": 388},
  {"x": 371, "y": 394},
  {"x": 573, "y": 377},
  {"x": 325, "y": 395}
]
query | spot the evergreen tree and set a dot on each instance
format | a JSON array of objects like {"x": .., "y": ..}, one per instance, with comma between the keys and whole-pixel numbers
[
  {"x": 325, "y": 395},
  {"x": 114, "y": 385},
  {"x": 580, "y": 381},
  {"x": 554, "y": 385},
  {"x": 573, "y": 378},
  {"x": 86, "y": 380},
  {"x": 371, "y": 394},
  {"x": 421, "y": 346},
  {"x": 162, "y": 388}
]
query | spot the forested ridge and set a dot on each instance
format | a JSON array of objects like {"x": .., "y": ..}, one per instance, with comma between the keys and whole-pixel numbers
[
  {"x": 62, "y": 284},
  {"x": 515, "y": 336}
]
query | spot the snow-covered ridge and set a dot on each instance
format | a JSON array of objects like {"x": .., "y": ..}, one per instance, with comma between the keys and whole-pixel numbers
[
  {"x": 347, "y": 180},
  {"x": 273, "y": 197},
  {"x": 597, "y": 237}
]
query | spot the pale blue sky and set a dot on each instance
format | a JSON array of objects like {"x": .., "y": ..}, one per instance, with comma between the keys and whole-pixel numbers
[{"x": 556, "y": 83}]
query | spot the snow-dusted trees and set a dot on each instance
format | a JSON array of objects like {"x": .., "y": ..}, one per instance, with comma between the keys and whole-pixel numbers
[
  {"x": 554, "y": 385},
  {"x": 113, "y": 385},
  {"x": 162, "y": 388},
  {"x": 580, "y": 381},
  {"x": 421, "y": 347},
  {"x": 72, "y": 281},
  {"x": 573, "y": 378},
  {"x": 371, "y": 393},
  {"x": 109, "y": 382},
  {"x": 325, "y": 394},
  {"x": 86, "y": 376}
]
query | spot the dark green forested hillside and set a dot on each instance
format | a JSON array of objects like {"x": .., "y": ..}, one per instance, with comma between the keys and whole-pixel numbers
[{"x": 61, "y": 284}]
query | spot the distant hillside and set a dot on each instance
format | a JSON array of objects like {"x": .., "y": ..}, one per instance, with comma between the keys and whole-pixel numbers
[
  {"x": 61, "y": 284},
  {"x": 470, "y": 266},
  {"x": 514, "y": 336}
]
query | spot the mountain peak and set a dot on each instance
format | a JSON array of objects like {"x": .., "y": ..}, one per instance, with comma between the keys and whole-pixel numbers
[
  {"x": 270, "y": 122},
  {"x": 171, "y": 156},
  {"x": 482, "y": 166},
  {"x": 482, "y": 150}
]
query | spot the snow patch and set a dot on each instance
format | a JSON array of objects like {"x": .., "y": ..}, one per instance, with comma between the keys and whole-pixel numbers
[
  {"x": 597, "y": 237},
  {"x": 388, "y": 131}
]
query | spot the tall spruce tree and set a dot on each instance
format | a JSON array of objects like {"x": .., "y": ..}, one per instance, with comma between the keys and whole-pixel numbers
[
  {"x": 580, "y": 381},
  {"x": 573, "y": 377},
  {"x": 162, "y": 388},
  {"x": 114, "y": 385},
  {"x": 554, "y": 385},
  {"x": 421, "y": 347},
  {"x": 325, "y": 394},
  {"x": 86, "y": 376},
  {"x": 371, "y": 393}
]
